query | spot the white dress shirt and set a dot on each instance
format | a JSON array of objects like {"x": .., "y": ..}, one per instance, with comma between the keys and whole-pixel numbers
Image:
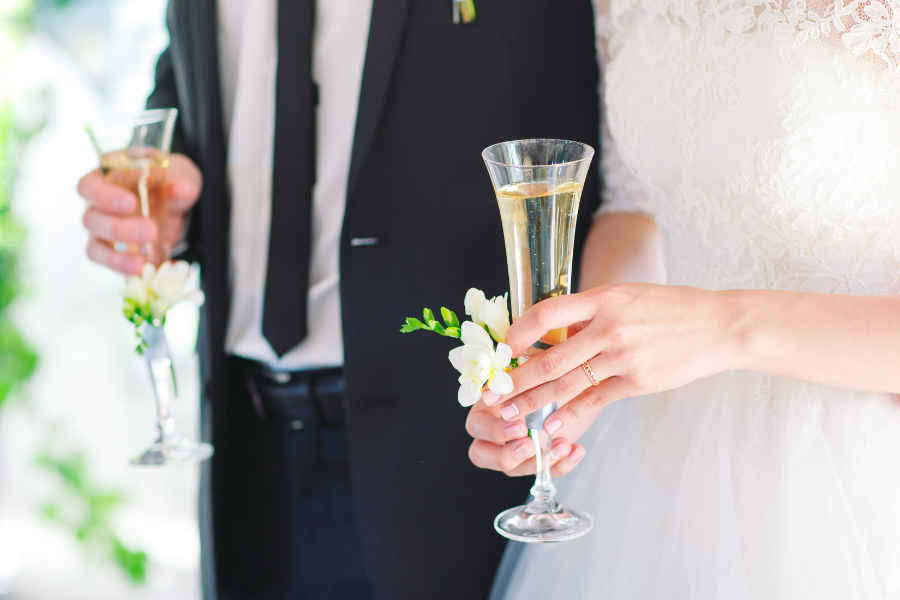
[{"x": 247, "y": 60}]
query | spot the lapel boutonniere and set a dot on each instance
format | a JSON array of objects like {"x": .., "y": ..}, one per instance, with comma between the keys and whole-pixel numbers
[{"x": 463, "y": 11}]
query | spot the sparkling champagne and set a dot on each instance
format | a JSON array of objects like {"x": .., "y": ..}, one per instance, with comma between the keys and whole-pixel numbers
[
  {"x": 538, "y": 226},
  {"x": 142, "y": 170}
]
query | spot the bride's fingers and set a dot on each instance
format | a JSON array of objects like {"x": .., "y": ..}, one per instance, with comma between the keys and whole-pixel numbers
[
  {"x": 500, "y": 457},
  {"x": 563, "y": 389},
  {"x": 566, "y": 464},
  {"x": 552, "y": 313},
  {"x": 593, "y": 399},
  {"x": 484, "y": 425},
  {"x": 549, "y": 365},
  {"x": 563, "y": 458}
]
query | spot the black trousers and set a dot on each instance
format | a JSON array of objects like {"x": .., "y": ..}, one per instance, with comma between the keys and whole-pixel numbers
[{"x": 284, "y": 518}]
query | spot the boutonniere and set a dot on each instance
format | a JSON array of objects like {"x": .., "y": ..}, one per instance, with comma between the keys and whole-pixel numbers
[
  {"x": 463, "y": 11},
  {"x": 478, "y": 361}
]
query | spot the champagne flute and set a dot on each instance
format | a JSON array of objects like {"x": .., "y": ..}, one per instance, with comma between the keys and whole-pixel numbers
[
  {"x": 134, "y": 154},
  {"x": 538, "y": 184}
]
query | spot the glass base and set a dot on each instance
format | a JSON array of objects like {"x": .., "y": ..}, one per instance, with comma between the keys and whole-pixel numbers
[
  {"x": 174, "y": 452},
  {"x": 522, "y": 524}
]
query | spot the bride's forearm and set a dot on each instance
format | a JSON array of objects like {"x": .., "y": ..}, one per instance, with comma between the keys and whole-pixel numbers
[
  {"x": 851, "y": 341},
  {"x": 622, "y": 248}
]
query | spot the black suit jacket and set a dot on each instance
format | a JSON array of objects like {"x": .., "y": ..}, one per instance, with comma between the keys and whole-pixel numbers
[{"x": 433, "y": 96}]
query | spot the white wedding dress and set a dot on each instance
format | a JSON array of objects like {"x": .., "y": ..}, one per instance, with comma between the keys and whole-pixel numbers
[{"x": 764, "y": 138}]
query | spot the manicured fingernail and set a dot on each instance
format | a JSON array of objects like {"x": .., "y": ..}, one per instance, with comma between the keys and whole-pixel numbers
[
  {"x": 552, "y": 425},
  {"x": 575, "y": 455},
  {"x": 557, "y": 451},
  {"x": 524, "y": 450},
  {"x": 516, "y": 430},
  {"x": 489, "y": 397},
  {"x": 509, "y": 412}
]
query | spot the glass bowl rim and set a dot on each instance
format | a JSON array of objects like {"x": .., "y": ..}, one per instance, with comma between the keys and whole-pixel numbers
[
  {"x": 588, "y": 155},
  {"x": 144, "y": 117}
]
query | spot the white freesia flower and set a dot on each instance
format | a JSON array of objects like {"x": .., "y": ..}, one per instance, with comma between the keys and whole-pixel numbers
[
  {"x": 492, "y": 313},
  {"x": 156, "y": 291},
  {"x": 479, "y": 363},
  {"x": 169, "y": 281}
]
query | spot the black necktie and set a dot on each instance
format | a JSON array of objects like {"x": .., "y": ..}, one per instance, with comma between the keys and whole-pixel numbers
[{"x": 293, "y": 176}]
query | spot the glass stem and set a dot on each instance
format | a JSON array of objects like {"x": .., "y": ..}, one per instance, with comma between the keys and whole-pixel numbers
[
  {"x": 163, "y": 378},
  {"x": 543, "y": 489}
]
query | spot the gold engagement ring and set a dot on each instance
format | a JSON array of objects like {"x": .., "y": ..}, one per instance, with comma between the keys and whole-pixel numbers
[{"x": 590, "y": 373}]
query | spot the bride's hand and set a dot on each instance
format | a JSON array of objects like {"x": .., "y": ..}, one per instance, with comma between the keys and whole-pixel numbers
[
  {"x": 503, "y": 446},
  {"x": 636, "y": 338}
]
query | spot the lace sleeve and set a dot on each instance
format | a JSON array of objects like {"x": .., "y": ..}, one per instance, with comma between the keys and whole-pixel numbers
[{"x": 621, "y": 190}]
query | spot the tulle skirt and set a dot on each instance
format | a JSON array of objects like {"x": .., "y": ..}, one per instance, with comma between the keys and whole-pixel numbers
[{"x": 739, "y": 486}]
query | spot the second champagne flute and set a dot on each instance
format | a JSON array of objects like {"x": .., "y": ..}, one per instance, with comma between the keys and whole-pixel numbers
[{"x": 134, "y": 154}]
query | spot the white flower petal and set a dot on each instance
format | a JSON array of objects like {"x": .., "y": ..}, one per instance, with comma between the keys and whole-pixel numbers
[
  {"x": 457, "y": 359},
  {"x": 135, "y": 291},
  {"x": 159, "y": 308},
  {"x": 196, "y": 297},
  {"x": 475, "y": 335},
  {"x": 181, "y": 270},
  {"x": 504, "y": 356},
  {"x": 496, "y": 316},
  {"x": 466, "y": 396},
  {"x": 148, "y": 273},
  {"x": 501, "y": 383},
  {"x": 473, "y": 301}
]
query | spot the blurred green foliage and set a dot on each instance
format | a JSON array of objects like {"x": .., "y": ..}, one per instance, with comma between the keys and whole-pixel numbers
[
  {"x": 87, "y": 511},
  {"x": 17, "y": 359},
  {"x": 80, "y": 506}
]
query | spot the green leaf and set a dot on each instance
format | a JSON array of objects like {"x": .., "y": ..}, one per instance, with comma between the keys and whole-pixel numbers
[
  {"x": 437, "y": 327},
  {"x": 133, "y": 564},
  {"x": 429, "y": 316},
  {"x": 450, "y": 319},
  {"x": 452, "y": 332},
  {"x": 407, "y": 328}
]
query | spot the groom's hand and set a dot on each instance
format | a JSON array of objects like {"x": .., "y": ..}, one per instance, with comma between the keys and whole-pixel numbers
[
  {"x": 504, "y": 446},
  {"x": 111, "y": 214}
]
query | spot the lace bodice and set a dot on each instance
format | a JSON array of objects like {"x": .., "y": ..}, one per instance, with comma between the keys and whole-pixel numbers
[{"x": 763, "y": 136}]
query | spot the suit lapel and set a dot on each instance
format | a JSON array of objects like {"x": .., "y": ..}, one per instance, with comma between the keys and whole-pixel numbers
[{"x": 385, "y": 32}]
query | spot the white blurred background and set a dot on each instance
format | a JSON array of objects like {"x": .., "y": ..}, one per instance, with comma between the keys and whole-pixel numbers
[{"x": 67, "y": 61}]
